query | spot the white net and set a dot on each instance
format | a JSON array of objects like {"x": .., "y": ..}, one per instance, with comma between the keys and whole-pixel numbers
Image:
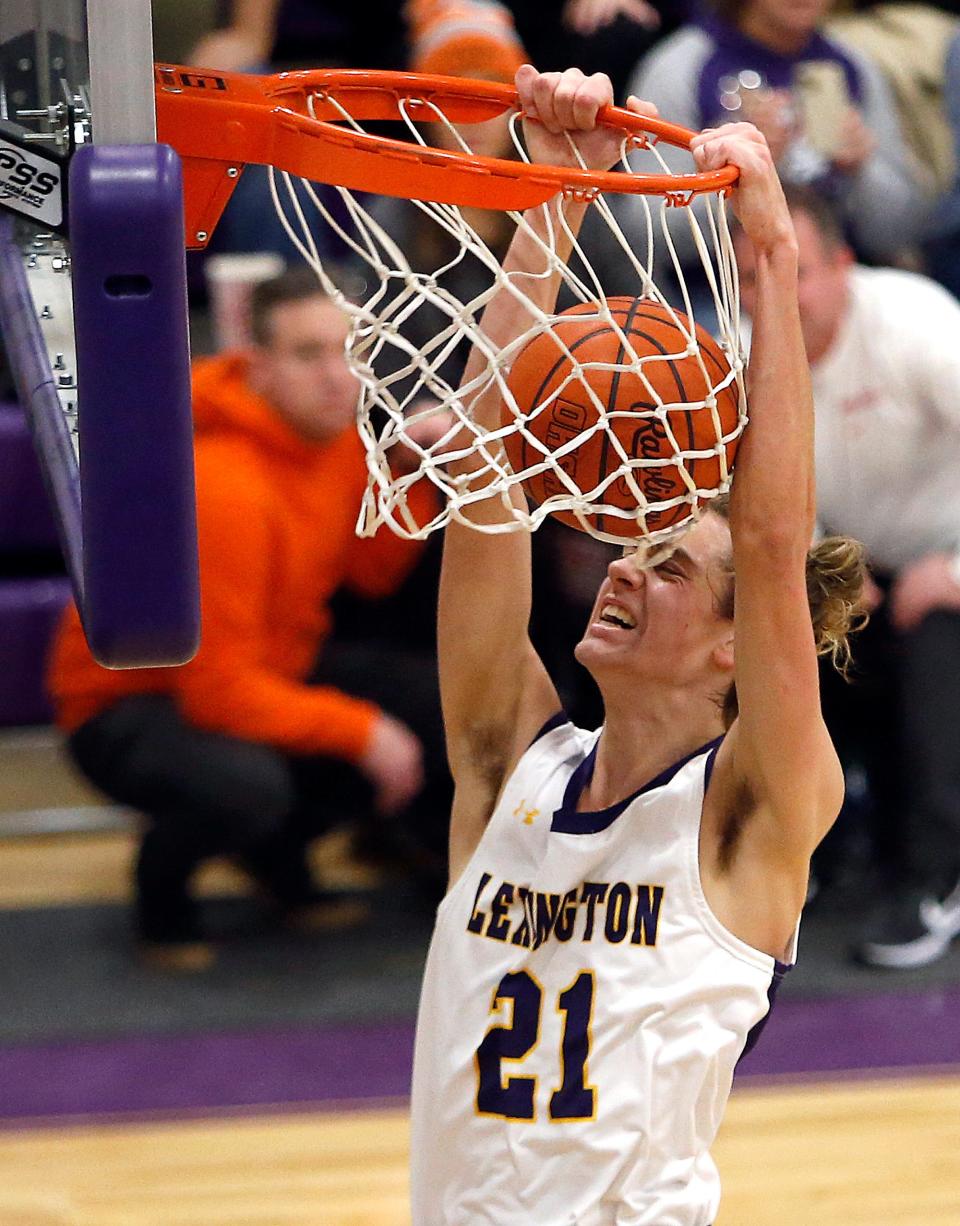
[{"x": 653, "y": 427}]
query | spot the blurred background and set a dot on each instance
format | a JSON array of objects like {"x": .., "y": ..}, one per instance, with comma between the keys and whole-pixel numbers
[{"x": 217, "y": 884}]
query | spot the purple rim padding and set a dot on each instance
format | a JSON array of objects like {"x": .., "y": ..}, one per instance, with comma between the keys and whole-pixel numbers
[
  {"x": 141, "y": 589},
  {"x": 38, "y": 395},
  {"x": 127, "y": 520}
]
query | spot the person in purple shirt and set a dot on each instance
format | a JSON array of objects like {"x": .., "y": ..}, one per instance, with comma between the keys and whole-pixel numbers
[{"x": 825, "y": 109}]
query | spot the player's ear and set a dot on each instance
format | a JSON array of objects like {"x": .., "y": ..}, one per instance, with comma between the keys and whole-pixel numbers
[{"x": 723, "y": 652}]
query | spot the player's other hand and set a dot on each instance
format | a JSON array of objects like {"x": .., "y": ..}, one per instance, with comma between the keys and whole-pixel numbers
[
  {"x": 758, "y": 198},
  {"x": 393, "y": 762},
  {"x": 560, "y": 112}
]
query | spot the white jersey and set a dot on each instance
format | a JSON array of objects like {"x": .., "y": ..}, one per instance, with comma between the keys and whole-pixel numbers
[{"x": 582, "y": 1010}]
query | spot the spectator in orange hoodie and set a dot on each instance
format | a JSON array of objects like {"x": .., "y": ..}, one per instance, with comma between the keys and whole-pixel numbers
[{"x": 238, "y": 752}]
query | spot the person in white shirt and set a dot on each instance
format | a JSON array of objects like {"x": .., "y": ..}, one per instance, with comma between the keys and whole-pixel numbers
[
  {"x": 622, "y": 901},
  {"x": 884, "y": 349}
]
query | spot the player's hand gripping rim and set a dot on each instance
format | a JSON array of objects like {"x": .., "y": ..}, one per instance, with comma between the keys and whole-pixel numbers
[
  {"x": 562, "y": 107},
  {"x": 758, "y": 199}
]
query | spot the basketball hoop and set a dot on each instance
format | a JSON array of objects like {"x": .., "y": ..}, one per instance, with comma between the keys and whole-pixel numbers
[{"x": 309, "y": 128}]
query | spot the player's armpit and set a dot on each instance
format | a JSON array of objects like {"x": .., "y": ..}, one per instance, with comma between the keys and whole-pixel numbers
[
  {"x": 796, "y": 787},
  {"x": 483, "y": 756},
  {"x": 487, "y": 736}
]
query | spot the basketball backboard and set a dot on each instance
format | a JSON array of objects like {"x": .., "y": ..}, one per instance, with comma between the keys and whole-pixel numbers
[{"x": 93, "y": 314}]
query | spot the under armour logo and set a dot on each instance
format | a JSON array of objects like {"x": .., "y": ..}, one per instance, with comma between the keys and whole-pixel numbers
[{"x": 528, "y": 814}]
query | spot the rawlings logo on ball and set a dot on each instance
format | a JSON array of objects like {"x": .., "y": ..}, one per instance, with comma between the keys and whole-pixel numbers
[{"x": 650, "y": 396}]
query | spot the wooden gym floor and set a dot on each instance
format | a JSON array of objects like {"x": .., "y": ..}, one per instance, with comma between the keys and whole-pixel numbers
[{"x": 873, "y": 1153}]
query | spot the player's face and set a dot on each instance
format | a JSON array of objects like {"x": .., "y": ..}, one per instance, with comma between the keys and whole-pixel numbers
[
  {"x": 665, "y": 621},
  {"x": 822, "y": 289},
  {"x": 303, "y": 370}
]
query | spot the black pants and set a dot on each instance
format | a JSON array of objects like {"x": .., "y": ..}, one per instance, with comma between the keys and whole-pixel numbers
[
  {"x": 205, "y": 795},
  {"x": 899, "y": 719}
]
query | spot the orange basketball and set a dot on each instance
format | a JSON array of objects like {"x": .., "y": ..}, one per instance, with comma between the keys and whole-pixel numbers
[{"x": 541, "y": 368}]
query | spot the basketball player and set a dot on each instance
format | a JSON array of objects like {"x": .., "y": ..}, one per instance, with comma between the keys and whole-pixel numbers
[{"x": 622, "y": 902}]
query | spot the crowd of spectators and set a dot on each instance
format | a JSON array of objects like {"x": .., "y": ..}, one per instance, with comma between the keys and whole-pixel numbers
[{"x": 313, "y": 699}]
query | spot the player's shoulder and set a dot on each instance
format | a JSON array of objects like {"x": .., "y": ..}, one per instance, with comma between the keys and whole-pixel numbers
[
  {"x": 559, "y": 745},
  {"x": 557, "y": 740}
]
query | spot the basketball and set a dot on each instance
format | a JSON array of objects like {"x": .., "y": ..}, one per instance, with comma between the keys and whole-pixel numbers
[{"x": 542, "y": 374}]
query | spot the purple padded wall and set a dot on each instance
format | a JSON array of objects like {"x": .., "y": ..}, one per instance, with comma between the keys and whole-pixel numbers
[{"x": 141, "y": 599}]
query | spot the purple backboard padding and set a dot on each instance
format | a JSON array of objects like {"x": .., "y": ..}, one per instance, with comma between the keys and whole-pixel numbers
[
  {"x": 29, "y": 611},
  {"x": 38, "y": 396},
  {"x": 141, "y": 580},
  {"x": 26, "y": 521}
]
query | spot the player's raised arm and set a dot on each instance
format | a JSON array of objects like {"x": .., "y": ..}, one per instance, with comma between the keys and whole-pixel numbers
[
  {"x": 779, "y": 746},
  {"x": 495, "y": 691}
]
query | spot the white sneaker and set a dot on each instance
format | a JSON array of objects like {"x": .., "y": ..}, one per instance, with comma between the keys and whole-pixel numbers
[
  {"x": 943, "y": 916},
  {"x": 899, "y": 936}
]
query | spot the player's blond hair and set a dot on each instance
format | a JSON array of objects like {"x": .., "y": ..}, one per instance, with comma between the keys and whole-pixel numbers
[{"x": 836, "y": 572}]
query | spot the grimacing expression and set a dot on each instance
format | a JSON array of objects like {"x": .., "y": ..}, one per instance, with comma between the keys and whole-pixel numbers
[
  {"x": 670, "y": 620},
  {"x": 302, "y": 368}
]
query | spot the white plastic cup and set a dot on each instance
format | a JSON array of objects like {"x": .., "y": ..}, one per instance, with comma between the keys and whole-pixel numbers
[{"x": 230, "y": 282}]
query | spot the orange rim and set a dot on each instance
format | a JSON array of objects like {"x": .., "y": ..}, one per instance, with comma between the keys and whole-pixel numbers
[{"x": 219, "y": 121}]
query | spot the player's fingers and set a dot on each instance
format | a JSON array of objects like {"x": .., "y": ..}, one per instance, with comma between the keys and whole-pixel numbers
[
  {"x": 739, "y": 128},
  {"x": 593, "y": 93},
  {"x": 573, "y": 101},
  {"x": 736, "y": 131},
  {"x": 724, "y": 153},
  {"x": 564, "y": 95},
  {"x": 523, "y": 79},
  {"x": 544, "y": 90},
  {"x": 721, "y": 150},
  {"x": 710, "y": 155},
  {"x": 640, "y": 107},
  {"x": 706, "y": 155}
]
